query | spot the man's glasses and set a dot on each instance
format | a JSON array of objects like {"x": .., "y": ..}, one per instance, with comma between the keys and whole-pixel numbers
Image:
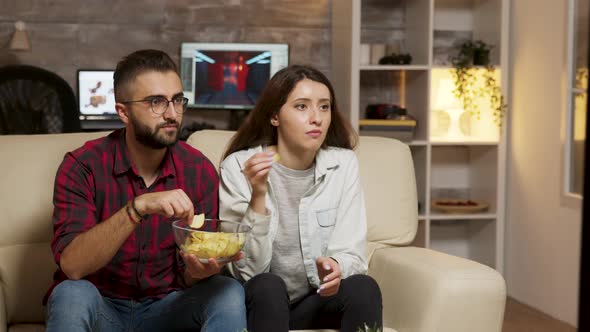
[{"x": 159, "y": 105}]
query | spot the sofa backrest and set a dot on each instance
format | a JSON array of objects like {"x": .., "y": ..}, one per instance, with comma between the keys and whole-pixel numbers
[
  {"x": 27, "y": 173},
  {"x": 387, "y": 176}
]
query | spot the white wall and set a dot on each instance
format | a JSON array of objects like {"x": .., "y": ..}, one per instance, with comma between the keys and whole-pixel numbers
[{"x": 542, "y": 235}]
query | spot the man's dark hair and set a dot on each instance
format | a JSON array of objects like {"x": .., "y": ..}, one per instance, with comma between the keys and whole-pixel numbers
[{"x": 137, "y": 63}]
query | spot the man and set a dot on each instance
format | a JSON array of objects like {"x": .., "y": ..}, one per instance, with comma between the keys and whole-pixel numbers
[{"x": 114, "y": 201}]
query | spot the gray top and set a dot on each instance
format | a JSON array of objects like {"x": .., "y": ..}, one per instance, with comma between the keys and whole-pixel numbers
[{"x": 289, "y": 186}]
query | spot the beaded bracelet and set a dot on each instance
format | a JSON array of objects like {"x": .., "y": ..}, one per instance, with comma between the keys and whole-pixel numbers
[
  {"x": 137, "y": 222},
  {"x": 136, "y": 210}
]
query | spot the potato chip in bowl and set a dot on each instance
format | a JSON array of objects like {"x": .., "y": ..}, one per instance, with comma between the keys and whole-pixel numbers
[{"x": 219, "y": 239}]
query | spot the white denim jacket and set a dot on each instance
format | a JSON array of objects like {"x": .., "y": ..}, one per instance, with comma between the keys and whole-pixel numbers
[{"x": 332, "y": 219}]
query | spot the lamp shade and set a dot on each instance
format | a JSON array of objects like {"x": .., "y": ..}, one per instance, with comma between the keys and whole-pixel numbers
[
  {"x": 20, "y": 39},
  {"x": 445, "y": 98}
]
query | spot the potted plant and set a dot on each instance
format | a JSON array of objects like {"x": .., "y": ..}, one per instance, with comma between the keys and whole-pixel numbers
[{"x": 471, "y": 54}]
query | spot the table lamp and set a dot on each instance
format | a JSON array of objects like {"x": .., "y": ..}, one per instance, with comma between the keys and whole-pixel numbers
[
  {"x": 445, "y": 101},
  {"x": 20, "y": 38}
]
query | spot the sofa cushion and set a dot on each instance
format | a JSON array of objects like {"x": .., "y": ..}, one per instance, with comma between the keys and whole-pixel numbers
[
  {"x": 25, "y": 275},
  {"x": 27, "y": 328},
  {"x": 389, "y": 184},
  {"x": 27, "y": 191},
  {"x": 387, "y": 175}
]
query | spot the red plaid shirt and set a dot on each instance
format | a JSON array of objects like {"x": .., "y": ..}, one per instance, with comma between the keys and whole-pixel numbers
[{"x": 97, "y": 180}]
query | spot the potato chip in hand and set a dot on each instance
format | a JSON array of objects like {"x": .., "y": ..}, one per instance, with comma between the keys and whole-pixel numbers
[{"x": 198, "y": 221}]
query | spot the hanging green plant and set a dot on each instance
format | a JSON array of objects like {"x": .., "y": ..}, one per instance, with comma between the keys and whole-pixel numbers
[
  {"x": 471, "y": 54},
  {"x": 494, "y": 93},
  {"x": 581, "y": 83}
]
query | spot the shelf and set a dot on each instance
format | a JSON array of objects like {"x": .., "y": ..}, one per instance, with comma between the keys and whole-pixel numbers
[
  {"x": 401, "y": 25},
  {"x": 449, "y": 122},
  {"x": 472, "y": 216},
  {"x": 471, "y": 240},
  {"x": 456, "y": 154},
  {"x": 464, "y": 143},
  {"x": 465, "y": 172},
  {"x": 404, "y": 88},
  {"x": 393, "y": 67},
  {"x": 438, "y": 66},
  {"x": 456, "y": 20}
]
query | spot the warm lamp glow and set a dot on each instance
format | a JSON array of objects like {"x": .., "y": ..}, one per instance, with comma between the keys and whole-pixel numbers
[
  {"x": 20, "y": 39},
  {"x": 446, "y": 101},
  {"x": 444, "y": 97},
  {"x": 464, "y": 126}
]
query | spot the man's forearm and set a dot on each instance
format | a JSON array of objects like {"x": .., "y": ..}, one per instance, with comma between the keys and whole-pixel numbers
[{"x": 93, "y": 249}]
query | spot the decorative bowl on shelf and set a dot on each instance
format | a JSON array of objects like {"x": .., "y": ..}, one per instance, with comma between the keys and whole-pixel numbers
[
  {"x": 215, "y": 238},
  {"x": 458, "y": 206}
]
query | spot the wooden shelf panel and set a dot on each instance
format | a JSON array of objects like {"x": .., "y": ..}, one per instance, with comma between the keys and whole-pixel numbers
[
  {"x": 394, "y": 67},
  {"x": 471, "y": 216}
]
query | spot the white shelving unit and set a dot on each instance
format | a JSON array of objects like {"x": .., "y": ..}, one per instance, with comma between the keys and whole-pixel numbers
[{"x": 471, "y": 167}]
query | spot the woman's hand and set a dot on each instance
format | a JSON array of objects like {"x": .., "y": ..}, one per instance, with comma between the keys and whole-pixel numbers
[
  {"x": 329, "y": 274},
  {"x": 256, "y": 170}
]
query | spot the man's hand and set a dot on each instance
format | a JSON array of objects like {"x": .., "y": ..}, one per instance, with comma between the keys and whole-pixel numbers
[
  {"x": 329, "y": 274},
  {"x": 196, "y": 270},
  {"x": 172, "y": 203}
]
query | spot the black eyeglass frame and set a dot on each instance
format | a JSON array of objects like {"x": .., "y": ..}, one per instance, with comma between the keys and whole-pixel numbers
[{"x": 151, "y": 100}]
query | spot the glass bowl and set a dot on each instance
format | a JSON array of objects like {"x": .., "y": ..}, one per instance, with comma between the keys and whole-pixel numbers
[{"x": 219, "y": 239}]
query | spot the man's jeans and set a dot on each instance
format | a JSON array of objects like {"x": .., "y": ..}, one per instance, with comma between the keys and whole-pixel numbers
[{"x": 216, "y": 304}]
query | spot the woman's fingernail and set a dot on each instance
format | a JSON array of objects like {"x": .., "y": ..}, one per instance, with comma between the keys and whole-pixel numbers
[
  {"x": 327, "y": 266},
  {"x": 326, "y": 279}
]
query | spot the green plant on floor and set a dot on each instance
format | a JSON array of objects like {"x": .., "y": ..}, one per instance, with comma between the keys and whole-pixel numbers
[
  {"x": 366, "y": 328},
  {"x": 471, "y": 54}
]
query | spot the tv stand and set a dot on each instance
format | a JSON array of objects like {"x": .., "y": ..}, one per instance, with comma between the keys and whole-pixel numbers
[{"x": 100, "y": 123}]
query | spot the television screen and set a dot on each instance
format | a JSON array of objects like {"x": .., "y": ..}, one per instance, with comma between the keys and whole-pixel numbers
[{"x": 228, "y": 75}]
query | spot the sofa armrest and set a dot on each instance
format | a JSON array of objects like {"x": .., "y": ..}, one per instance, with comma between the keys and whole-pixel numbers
[{"x": 425, "y": 290}]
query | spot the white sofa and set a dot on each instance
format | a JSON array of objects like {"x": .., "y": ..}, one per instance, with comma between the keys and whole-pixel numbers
[{"x": 423, "y": 290}]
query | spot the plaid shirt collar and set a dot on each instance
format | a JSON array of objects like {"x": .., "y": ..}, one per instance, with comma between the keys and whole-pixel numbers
[{"x": 123, "y": 163}]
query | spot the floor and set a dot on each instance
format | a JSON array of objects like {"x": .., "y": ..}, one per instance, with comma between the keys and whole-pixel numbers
[{"x": 519, "y": 317}]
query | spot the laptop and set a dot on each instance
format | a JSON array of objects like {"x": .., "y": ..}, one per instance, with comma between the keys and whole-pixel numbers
[{"x": 96, "y": 100}]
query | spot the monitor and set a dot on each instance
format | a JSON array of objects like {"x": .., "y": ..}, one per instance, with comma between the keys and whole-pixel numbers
[
  {"x": 228, "y": 75},
  {"x": 96, "y": 99}
]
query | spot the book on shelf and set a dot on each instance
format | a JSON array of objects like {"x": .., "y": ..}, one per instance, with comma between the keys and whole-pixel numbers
[{"x": 399, "y": 129}]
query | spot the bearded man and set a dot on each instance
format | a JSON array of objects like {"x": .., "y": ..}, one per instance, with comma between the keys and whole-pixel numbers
[{"x": 114, "y": 199}]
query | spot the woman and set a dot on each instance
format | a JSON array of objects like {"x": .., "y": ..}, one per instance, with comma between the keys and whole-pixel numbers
[{"x": 304, "y": 264}]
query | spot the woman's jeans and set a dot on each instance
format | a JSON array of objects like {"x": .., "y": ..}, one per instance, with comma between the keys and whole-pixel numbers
[
  {"x": 357, "y": 303},
  {"x": 215, "y": 304}
]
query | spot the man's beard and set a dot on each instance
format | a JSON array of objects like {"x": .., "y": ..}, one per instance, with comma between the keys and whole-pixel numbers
[{"x": 155, "y": 139}]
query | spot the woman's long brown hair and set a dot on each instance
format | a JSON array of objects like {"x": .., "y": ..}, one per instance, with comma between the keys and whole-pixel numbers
[{"x": 257, "y": 129}]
